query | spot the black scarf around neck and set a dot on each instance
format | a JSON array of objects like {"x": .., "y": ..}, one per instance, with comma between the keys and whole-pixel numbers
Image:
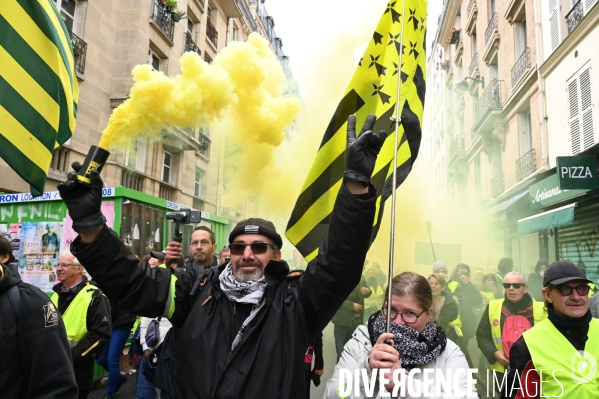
[{"x": 415, "y": 349}]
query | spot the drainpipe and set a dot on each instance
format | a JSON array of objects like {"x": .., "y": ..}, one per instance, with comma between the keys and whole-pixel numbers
[{"x": 541, "y": 85}]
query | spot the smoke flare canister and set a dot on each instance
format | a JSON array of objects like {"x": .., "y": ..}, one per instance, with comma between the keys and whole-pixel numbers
[{"x": 95, "y": 159}]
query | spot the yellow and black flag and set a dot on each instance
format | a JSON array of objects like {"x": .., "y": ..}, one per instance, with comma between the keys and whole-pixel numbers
[
  {"x": 38, "y": 87},
  {"x": 373, "y": 89}
]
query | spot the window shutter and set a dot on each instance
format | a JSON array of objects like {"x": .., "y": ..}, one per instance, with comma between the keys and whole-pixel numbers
[
  {"x": 554, "y": 23},
  {"x": 574, "y": 115},
  {"x": 586, "y": 108},
  {"x": 588, "y": 4}
]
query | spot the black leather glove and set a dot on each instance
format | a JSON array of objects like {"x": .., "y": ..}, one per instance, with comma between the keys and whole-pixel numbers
[
  {"x": 361, "y": 153},
  {"x": 83, "y": 202}
]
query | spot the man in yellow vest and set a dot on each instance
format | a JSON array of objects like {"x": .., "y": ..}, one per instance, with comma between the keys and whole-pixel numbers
[
  {"x": 503, "y": 322},
  {"x": 504, "y": 266},
  {"x": 558, "y": 357},
  {"x": 86, "y": 315}
]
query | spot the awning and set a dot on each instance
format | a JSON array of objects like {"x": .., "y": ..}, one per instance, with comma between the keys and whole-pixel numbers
[
  {"x": 547, "y": 220},
  {"x": 505, "y": 204}
]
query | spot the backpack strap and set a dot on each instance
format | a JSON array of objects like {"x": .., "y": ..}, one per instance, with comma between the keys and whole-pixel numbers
[{"x": 292, "y": 278}]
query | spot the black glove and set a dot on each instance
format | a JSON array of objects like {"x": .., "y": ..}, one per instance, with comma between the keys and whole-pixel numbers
[
  {"x": 361, "y": 153},
  {"x": 83, "y": 202}
]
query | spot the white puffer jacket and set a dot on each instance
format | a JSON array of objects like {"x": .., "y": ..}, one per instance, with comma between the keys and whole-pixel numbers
[{"x": 355, "y": 356}]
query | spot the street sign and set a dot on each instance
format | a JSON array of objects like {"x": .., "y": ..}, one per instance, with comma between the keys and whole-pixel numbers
[
  {"x": 579, "y": 172},
  {"x": 547, "y": 192}
]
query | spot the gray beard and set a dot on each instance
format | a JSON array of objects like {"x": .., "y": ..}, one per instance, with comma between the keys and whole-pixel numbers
[{"x": 245, "y": 277}]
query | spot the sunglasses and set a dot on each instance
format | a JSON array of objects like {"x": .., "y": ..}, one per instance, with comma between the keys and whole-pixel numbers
[
  {"x": 566, "y": 290},
  {"x": 515, "y": 285},
  {"x": 258, "y": 248}
]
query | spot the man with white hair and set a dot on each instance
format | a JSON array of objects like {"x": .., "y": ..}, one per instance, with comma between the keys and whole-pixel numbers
[
  {"x": 504, "y": 321},
  {"x": 86, "y": 315}
]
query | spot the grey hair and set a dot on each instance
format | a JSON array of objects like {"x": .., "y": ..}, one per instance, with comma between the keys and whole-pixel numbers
[
  {"x": 516, "y": 274},
  {"x": 75, "y": 260}
]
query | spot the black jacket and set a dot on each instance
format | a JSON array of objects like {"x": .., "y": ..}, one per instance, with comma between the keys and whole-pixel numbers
[
  {"x": 345, "y": 314},
  {"x": 484, "y": 337},
  {"x": 269, "y": 360},
  {"x": 98, "y": 321},
  {"x": 35, "y": 360},
  {"x": 469, "y": 298},
  {"x": 448, "y": 313}
]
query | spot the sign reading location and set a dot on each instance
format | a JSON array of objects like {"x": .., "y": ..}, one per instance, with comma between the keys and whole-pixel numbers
[{"x": 577, "y": 173}]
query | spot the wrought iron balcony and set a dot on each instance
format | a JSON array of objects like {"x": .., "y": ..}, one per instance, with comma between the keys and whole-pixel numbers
[
  {"x": 525, "y": 166},
  {"x": 163, "y": 19},
  {"x": 457, "y": 148},
  {"x": 470, "y": 6},
  {"x": 491, "y": 99},
  {"x": 473, "y": 64},
  {"x": 204, "y": 148},
  {"x": 245, "y": 10},
  {"x": 575, "y": 16},
  {"x": 521, "y": 66},
  {"x": 190, "y": 44},
  {"x": 492, "y": 28},
  {"x": 211, "y": 33},
  {"x": 497, "y": 185},
  {"x": 79, "y": 51}
]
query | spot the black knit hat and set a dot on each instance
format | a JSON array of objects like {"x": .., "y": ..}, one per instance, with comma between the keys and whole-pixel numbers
[
  {"x": 563, "y": 271},
  {"x": 257, "y": 226}
]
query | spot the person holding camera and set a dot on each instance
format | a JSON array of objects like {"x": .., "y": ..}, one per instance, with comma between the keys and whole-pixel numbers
[
  {"x": 245, "y": 326},
  {"x": 36, "y": 358}
]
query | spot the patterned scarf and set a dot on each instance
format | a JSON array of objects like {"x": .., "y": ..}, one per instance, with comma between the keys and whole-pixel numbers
[
  {"x": 249, "y": 292},
  {"x": 415, "y": 349}
]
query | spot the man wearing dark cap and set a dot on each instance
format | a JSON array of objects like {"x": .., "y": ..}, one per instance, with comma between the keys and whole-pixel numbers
[
  {"x": 246, "y": 325},
  {"x": 558, "y": 356}
]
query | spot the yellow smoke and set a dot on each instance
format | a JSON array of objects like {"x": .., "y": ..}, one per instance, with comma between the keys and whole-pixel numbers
[{"x": 243, "y": 82}]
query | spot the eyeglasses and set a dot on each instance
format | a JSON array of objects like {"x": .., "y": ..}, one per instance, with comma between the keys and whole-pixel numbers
[
  {"x": 566, "y": 290},
  {"x": 408, "y": 317},
  {"x": 65, "y": 265},
  {"x": 258, "y": 248},
  {"x": 515, "y": 285}
]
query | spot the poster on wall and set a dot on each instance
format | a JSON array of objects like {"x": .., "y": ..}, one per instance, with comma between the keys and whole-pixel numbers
[
  {"x": 11, "y": 232},
  {"x": 40, "y": 245},
  {"x": 70, "y": 235}
]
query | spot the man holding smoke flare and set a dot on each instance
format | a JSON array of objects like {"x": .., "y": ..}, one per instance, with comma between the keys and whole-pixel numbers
[{"x": 245, "y": 325}]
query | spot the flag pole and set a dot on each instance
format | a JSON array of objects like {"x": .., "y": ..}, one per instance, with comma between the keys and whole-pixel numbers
[{"x": 397, "y": 121}]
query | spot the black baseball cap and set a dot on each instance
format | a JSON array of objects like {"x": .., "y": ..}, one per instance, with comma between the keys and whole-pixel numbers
[
  {"x": 256, "y": 226},
  {"x": 563, "y": 271}
]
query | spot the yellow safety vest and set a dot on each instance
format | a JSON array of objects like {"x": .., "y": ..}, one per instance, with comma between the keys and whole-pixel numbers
[
  {"x": 457, "y": 323},
  {"x": 488, "y": 294},
  {"x": 566, "y": 372},
  {"x": 500, "y": 278},
  {"x": 538, "y": 313},
  {"x": 375, "y": 300},
  {"x": 75, "y": 317}
]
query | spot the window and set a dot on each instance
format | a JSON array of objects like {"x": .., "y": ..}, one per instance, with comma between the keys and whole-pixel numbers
[
  {"x": 580, "y": 104},
  {"x": 135, "y": 156},
  {"x": 497, "y": 161},
  {"x": 554, "y": 23},
  {"x": 154, "y": 60},
  {"x": 494, "y": 70},
  {"x": 67, "y": 12},
  {"x": 190, "y": 26},
  {"x": 473, "y": 43},
  {"x": 234, "y": 34},
  {"x": 167, "y": 166},
  {"x": 199, "y": 188},
  {"x": 492, "y": 8},
  {"x": 520, "y": 40},
  {"x": 524, "y": 132}
]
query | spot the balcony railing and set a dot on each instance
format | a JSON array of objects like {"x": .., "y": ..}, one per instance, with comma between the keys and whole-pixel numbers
[
  {"x": 575, "y": 16},
  {"x": 79, "y": 51},
  {"x": 490, "y": 99},
  {"x": 167, "y": 192},
  {"x": 132, "y": 180},
  {"x": 245, "y": 10},
  {"x": 525, "y": 166},
  {"x": 204, "y": 148},
  {"x": 163, "y": 19},
  {"x": 211, "y": 33},
  {"x": 521, "y": 66},
  {"x": 473, "y": 64},
  {"x": 470, "y": 6},
  {"x": 190, "y": 44},
  {"x": 60, "y": 160},
  {"x": 457, "y": 147},
  {"x": 497, "y": 185},
  {"x": 492, "y": 28}
]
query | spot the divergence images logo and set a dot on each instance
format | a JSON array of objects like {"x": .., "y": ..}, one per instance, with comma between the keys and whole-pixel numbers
[{"x": 583, "y": 367}]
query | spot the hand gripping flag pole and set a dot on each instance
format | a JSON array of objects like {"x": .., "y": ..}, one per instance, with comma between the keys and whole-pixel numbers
[{"x": 397, "y": 121}]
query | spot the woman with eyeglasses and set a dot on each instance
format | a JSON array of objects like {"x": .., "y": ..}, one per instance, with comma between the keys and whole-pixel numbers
[
  {"x": 35, "y": 358},
  {"x": 416, "y": 343}
]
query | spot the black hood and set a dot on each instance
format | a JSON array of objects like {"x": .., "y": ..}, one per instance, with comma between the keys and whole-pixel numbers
[{"x": 11, "y": 277}]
